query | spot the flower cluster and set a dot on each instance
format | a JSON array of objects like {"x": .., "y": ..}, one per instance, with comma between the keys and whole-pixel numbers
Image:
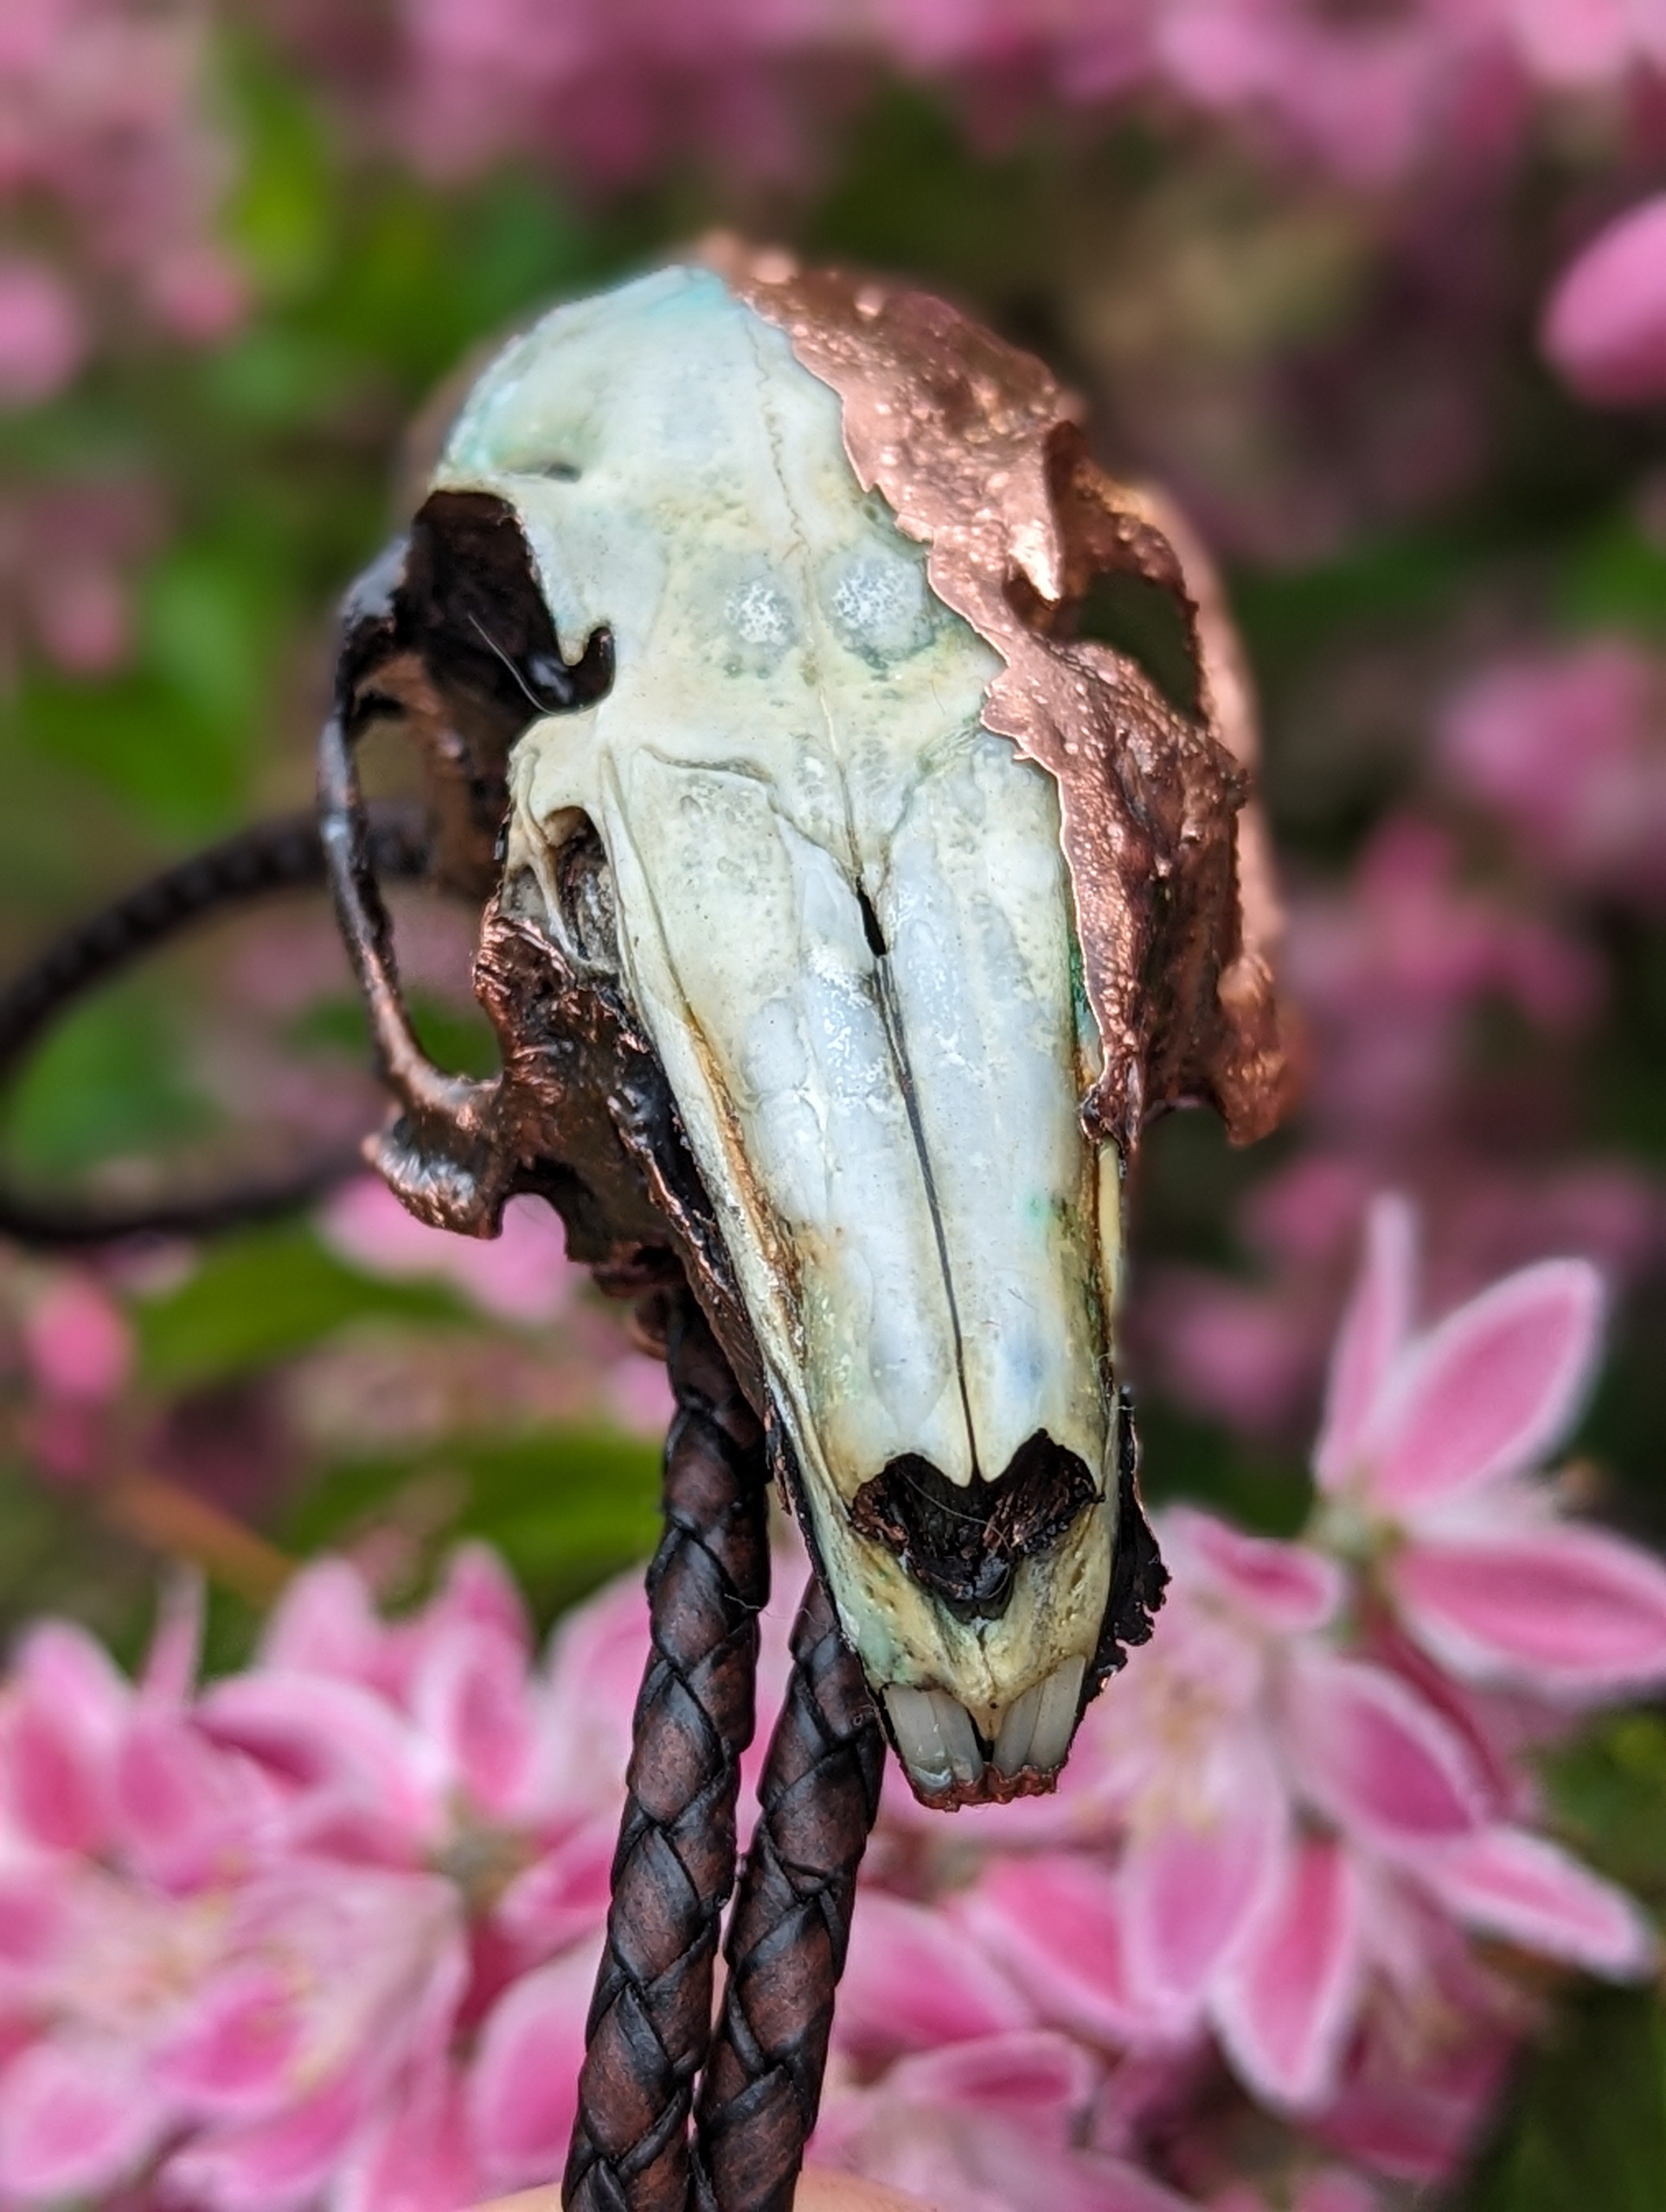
[
  {"x": 1369, "y": 96},
  {"x": 107, "y": 148},
  {"x": 1394, "y": 969},
  {"x": 1566, "y": 747},
  {"x": 1605, "y": 323},
  {"x": 322, "y": 1933}
]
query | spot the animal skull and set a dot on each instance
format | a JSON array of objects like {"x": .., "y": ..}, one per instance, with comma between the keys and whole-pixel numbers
[{"x": 852, "y": 918}]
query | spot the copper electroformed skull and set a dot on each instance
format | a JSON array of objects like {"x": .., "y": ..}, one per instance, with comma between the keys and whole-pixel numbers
[{"x": 851, "y": 915}]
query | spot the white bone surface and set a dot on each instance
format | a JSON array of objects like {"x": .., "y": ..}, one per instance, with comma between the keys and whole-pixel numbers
[{"x": 892, "y": 1145}]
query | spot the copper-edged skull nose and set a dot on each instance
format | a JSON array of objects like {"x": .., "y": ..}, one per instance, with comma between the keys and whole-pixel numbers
[{"x": 964, "y": 1541}]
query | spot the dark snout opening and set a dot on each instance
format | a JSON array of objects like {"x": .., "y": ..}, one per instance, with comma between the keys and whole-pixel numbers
[{"x": 964, "y": 1543}]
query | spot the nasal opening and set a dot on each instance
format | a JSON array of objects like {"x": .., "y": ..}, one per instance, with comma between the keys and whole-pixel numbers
[{"x": 964, "y": 1541}]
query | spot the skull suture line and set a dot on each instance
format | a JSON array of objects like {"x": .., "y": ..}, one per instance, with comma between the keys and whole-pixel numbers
[{"x": 853, "y": 917}]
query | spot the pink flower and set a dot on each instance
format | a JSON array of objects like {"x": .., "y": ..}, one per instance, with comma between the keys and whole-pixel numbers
[
  {"x": 1584, "y": 44},
  {"x": 524, "y": 1274},
  {"x": 1206, "y": 1902},
  {"x": 323, "y": 1933},
  {"x": 250, "y": 1921},
  {"x": 1271, "y": 1826},
  {"x": 65, "y": 551},
  {"x": 1389, "y": 971},
  {"x": 1367, "y": 96},
  {"x": 1424, "y": 1462},
  {"x": 106, "y": 139},
  {"x": 1569, "y": 747},
  {"x": 78, "y": 1343},
  {"x": 1372, "y": 97},
  {"x": 42, "y": 338},
  {"x": 1604, "y": 325},
  {"x": 991, "y": 2124}
]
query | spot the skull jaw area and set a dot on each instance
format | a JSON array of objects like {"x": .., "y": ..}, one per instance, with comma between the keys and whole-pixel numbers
[
  {"x": 838, "y": 909},
  {"x": 978, "y": 1711},
  {"x": 926, "y": 1245}
]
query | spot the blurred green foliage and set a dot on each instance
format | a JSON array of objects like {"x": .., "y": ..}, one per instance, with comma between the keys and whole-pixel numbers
[
  {"x": 569, "y": 1507},
  {"x": 1586, "y": 2126},
  {"x": 279, "y": 454}
]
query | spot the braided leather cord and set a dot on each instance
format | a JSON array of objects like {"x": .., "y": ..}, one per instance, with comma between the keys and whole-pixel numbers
[
  {"x": 284, "y": 854},
  {"x": 790, "y": 1926},
  {"x": 650, "y": 2018}
]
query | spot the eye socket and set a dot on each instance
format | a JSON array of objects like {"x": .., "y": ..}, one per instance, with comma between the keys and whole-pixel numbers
[{"x": 473, "y": 608}]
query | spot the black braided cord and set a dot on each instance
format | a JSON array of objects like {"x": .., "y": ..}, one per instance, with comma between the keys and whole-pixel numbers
[
  {"x": 650, "y": 2019},
  {"x": 284, "y": 854},
  {"x": 790, "y": 1928}
]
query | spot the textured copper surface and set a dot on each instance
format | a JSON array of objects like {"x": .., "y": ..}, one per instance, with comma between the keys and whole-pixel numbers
[{"x": 974, "y": 446}]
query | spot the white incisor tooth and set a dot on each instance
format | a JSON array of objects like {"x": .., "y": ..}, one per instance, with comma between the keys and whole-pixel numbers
[
  {"x": 1055, "y": 1715},
  {"x": 919, "y": 1739},
  {"x": 934, "y": 1735},
  {"x": 1017, "y": 1730},
  {"x": 959, "y": 1737}
]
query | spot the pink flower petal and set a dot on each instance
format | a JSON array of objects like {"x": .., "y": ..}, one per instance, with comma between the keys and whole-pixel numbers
[
  {"x": 182, "y": 1805},
  {"x": 1513, "y": 1884},
  {"x": 1420, "y": 2122},
  {"x": 333, "y": 1741},
  {"x": 76, "y": 2116},
  {"x": 469, "y": 1699},
  {"x": 1286, "y": 1589},
  {"x": 78, "y": 1339},
  {"x": 1375, "y": 1758},
  {"x": 1285, "y": 2001},
  {"x": 1190, "y": 1883},
  {"x": 523, "y": 2091},
  {"x": 480, "y": 1590},
  {"x": 1054, "y": 1921},
  {"x": 234, "y": 2051},
  {"x": 36, "y": 1911},
  {"x": 43, "y": 333},
  {"x": 1558, "y": 1609},
  {"x": 416, "y": 2156},
  {"x": 1605, "y": 323},
  {"x": 913, "y": 1981},
  {"x": 1336, "y": 2190},
  {"x": 176, "y": 1643},
  {"x": 69, "y": 1708},
  {"x": 1373, "y": 1328},
  {"x": 1490, "y": 1389},
  {"x": 324, "y": 1624},
  {"x": 1032, "y": 2075},
  {"x": 986, "y": 2127},
  {"x": 279, "y": 2164},
  {"x": 563, "y": 1897}
]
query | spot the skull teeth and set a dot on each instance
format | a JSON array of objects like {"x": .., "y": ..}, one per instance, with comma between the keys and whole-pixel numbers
[
  {"x": 941, "y": 1747},
  {"x": 935, "y": 1738},
  {"x": 1055, "y": 1715},
  {"x": 1036, "y": 1729},
  {"x": 1017, "y": 1730}
]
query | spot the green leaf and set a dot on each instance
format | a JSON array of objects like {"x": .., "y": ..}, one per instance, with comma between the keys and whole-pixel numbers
[
  {"x": 566, "y": 1507},
  {"x": 1608, "y": 1788},
  {"x": 1615, "y": 578},
  {"x": 1585, "y": 2131},
  {"x": 262, "y": 1297},
  {"x": 144, "y": 742},
  {"x": 281, "y": 216},
  {"x": 103, "y": 1086}
]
